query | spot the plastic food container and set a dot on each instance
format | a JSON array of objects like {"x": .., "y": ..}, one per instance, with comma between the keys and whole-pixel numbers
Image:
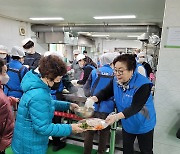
[{"x": 93, "y": 124}]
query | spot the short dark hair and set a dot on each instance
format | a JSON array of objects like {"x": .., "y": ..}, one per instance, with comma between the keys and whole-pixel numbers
[
  {"x": 52, "y": 66},
  {"x": 84, "y": 51},
  {"x": 128, "y": 59},
  {"x": 28, "y": 45},
  {"x": 2, "y": 63}
]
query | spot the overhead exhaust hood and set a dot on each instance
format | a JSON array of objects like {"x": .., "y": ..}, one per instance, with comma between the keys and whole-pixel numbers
[{"x": 98, "y": 28}]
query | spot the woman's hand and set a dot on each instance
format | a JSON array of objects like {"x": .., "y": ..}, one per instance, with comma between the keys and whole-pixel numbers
[
  {"x": 90, "y": 101},
  {"x": 76, "y": 128},
  {"x": 111, "y": 119},
  {"x": 73, "y": 106},
  {"x": 114, "y": 117},
  {"x": 74, "y": 82},
  {"x": 13, "y": 100}
]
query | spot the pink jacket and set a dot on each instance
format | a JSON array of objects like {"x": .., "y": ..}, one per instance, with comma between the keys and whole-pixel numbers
[{"x": 6, "y": 121}]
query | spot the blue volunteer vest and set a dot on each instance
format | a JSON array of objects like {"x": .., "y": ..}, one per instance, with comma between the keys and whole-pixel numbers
[
  {"x": 16, "y": 71},
  {"x": 60, "y": 89},
  {"x": 145, "y": 120},
  {"x": 100, "y": 79}
]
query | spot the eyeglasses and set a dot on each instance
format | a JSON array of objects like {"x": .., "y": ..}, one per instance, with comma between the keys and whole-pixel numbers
[{"x": 119, "y": 71}]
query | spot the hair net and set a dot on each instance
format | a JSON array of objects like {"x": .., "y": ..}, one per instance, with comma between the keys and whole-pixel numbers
[
  {"x": 107, "y": 58},
  {"x": 142, "y": 54},
  {"x": 3, "y": 49},
  {"x": 80, "y": 57},
  {"x": 26, "y": 40},
  {"x": 56, "y": 53},
  {"x": 142, "y": 57},
  {"x": 17, "y": 51},
  {"x": 76, "y": 52}
]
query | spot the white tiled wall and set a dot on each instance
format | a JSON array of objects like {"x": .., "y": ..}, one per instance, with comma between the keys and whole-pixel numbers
[
  {"x": 9, "y": 34},
  {"x": 167, "y": 93}
]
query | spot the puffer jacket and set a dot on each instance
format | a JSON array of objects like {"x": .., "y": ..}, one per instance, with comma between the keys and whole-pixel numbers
[
  {"x": 32, "y": 60},
  {"x": 34, "y": 118},
  {"x": 6, "y": 121}
]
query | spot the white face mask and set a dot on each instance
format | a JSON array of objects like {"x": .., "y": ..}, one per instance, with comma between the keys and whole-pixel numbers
[
  {"x": 2, "y": 56},
  {"x": 141, "y": 60},
  {"x": 4, "y": 79},
  {"x": 30, "y": 51}
]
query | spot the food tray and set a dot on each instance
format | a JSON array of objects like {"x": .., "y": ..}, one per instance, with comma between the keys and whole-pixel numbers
[{"x": 93, "y": 124}]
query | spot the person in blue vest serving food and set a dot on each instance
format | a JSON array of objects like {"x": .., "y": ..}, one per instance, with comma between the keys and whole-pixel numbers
[
  {"x": 134, "y": 102},
  {"x": 98, "y": 80}
]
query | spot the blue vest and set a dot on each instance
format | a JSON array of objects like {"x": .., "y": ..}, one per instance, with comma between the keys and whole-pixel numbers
[
  {"x": 16, "y": 72},
  {"x": 60, "y": 89},
  {"x": 100, "y": 79},
  {"x": 144, "y": 120}
]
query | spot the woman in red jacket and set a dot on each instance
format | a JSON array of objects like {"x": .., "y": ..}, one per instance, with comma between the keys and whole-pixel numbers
[{"x": 6, "y": 115}]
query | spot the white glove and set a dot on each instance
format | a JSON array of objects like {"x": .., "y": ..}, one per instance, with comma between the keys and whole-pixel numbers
[
  {"x": 72, "y": 70},
  {"x": 74, "y": 82},
  {"x": 26, "y": 66},
  {"x": 89, "y": 103}
]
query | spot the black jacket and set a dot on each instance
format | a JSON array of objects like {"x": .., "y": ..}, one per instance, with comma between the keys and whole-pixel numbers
[{"x": 32, "y": 60}]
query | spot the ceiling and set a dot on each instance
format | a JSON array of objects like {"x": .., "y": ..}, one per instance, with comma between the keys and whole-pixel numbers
[{"x": 81, "y": 12}]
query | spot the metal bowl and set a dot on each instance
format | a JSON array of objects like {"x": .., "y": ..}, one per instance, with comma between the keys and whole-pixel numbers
[{"x": 84, "y": 112}]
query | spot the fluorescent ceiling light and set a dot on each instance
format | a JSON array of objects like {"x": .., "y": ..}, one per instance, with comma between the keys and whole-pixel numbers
[
  {"x": 47, "y": 18},
  {"x": 133, "y": 36},
  {"x": 115, "y": 17},
  {"x": 100, "y": 35},
  {"x": 85, "y": 33}
]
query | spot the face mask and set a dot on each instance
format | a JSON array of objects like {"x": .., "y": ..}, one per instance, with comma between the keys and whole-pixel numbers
[
  {"x": 141, "y": 60},
  {"x": 4, "y": 79},
  {"x": 28, "y": 51},
  {"x": 2, "y": 56},
  {"x": 55, "y": 86},
  {"x": 81, "y": 65}
]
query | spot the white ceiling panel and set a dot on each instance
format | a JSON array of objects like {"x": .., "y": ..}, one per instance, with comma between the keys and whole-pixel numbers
[{"x": 83, "y": 11}]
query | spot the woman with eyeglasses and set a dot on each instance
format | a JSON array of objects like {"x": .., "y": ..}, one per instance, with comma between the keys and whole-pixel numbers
[
  {"x": 33, "y": 124},
  {"x": 134, "y": 102}
]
